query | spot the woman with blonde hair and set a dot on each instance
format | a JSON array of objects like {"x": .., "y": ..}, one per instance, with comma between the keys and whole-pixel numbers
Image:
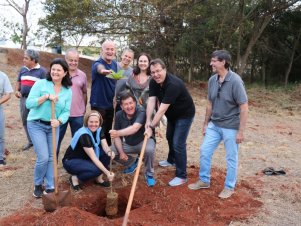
[{"x": 88, "y": 155}]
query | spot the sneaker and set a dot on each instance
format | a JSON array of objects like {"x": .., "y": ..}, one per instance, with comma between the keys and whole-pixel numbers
[
  {"x": 132, "y": 168},
  {"x": 198, "y": 185},
  {"x": 2, "y": 163},
  {"x": 38, "y": 191},
  {"x": 226, "y": 193},
  {"x": 165, "y": 163},
  {"x": 47, "y": 191},
  {"x": 150, "y": 181},
  {"x": 177, "y": 181}
]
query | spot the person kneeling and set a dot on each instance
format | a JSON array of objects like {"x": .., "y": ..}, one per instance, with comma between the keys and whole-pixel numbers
[
  {"x": 128, "y": 135},
  {"x": 88, "y": 155}
]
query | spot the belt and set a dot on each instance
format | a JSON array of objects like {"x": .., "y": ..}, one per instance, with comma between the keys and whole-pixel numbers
[{"x": 48, "y": 123}]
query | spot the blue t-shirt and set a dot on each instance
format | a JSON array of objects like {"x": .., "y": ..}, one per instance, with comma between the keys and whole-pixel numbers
[{"x": 103, "y": 88}]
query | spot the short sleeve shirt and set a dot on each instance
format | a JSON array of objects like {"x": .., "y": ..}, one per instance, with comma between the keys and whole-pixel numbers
[
  {"x": 79, "y": 88},
  {"x": 173, "y": 92},
  {"x": 103, "y": 88},
  {"x": 226, "y": 104},
  {"x": 5, "y": 86},
  {"x": 79, "y": 152},
  {"x": 27, "y": 77},
  {"x": 122, "y": 122}
]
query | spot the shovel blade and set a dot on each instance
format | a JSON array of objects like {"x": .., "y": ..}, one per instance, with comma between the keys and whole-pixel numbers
[{"x": 52, "y": 201}]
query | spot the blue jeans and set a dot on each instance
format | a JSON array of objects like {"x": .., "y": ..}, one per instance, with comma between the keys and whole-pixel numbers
[
  {"x": 214, "y": 135},
  {"x": 85, "y": 169},
  {"x": 41, "y": 136},
  {"x": 176, "y": 135},
  {"x": 75, "y": 124},
  {"x": 2, "y": 127}
]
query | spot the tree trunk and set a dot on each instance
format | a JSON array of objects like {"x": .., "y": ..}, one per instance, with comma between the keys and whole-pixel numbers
[
  {"x": 292, "y": 58},
  {"x": 256, "y": 34},
  {"x": 25, "y": 32}
]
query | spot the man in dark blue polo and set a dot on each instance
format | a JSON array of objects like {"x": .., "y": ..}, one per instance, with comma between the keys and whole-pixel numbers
[
  {"x": 28, "y": 75},
  {"x": 103, "y": 88},
  {"x": 177, "y": 104}
]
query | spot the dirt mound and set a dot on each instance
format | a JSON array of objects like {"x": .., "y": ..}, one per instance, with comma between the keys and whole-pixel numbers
[{"x": 161, "y": 205}]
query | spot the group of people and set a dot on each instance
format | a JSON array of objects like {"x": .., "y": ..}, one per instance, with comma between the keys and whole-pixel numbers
[{"x": 122, "y": 113}]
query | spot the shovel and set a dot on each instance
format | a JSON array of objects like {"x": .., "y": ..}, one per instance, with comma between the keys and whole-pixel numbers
[
  {"x": 129, "y": 205},
  {"x": 53, "y": 200}
]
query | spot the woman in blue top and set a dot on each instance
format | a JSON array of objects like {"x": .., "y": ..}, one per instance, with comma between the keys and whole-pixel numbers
[
  {"x": 88, "y": 155},
  {"x": 56, "y": 87}
]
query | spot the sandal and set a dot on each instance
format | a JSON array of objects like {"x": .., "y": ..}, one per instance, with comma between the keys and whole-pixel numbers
[
  {"x": 271, "y": 171},
  {"x": 74, "y": 187}
]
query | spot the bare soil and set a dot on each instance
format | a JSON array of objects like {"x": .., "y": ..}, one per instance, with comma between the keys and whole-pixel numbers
[{"x": 273, "y": 138}]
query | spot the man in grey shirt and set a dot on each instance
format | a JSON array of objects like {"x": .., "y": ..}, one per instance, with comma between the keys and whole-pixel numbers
[
  {"x": 128, "y": 135},
  {"x": 226, "y": 116}
]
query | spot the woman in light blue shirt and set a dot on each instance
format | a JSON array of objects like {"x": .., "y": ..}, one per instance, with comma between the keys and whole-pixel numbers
[{"x": 56, "y": 87}]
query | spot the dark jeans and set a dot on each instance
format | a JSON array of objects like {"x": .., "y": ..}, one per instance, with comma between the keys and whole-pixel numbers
[
  {"x": 85, "y": 169},
  {"x": 107, "y": 116},
  {"x": 75, "y": 124},
  {"x": 176, "y": 135}
]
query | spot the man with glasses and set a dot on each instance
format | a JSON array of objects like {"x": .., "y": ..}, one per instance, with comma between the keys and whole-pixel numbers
[
  {"x": 28, "y": 75},
  {"x": 226, "y": 116},
  {"x": 177, "y": 104}
]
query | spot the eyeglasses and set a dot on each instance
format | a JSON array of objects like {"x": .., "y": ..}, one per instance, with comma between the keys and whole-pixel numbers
[
  {"x": 219, "y": 89},
  {"x": 156, "y": 72}
]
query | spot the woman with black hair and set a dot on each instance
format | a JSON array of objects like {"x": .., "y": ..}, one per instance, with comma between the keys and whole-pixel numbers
[{"x": 56, "y": 88}]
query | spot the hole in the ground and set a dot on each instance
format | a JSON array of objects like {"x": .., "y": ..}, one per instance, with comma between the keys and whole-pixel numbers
[{"x": 122, "y": 204}]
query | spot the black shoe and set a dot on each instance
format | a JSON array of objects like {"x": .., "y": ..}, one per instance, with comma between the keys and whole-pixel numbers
[
  {"x": 2, "y": 163},
  {"x": 74, "y": 187},
  {"x": 47, "y": 191},
  {"x": 38, "y": 191},
  {"x": 27, "y": 146},
  {"x": 105, "y": 184}
]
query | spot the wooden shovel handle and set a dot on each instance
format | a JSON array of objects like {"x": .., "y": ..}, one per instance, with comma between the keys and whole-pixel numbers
[
  {"x": 129, "y": 205},
  {"x": 54, "y": 150}
]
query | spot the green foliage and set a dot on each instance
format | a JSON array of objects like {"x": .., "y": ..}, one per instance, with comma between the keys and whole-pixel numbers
[{"x": 116, "y": 75}]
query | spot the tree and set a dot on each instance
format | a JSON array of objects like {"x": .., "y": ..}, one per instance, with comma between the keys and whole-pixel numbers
[{"x": 22, "y": 10}]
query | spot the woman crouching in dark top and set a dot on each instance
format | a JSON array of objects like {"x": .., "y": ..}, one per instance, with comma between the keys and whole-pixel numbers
[{"x": 88, "y": 155}]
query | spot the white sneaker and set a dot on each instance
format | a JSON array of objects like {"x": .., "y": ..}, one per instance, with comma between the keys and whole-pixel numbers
[
  {"x": 177, "y": 181},
  {"x": 165, "y": 163}
]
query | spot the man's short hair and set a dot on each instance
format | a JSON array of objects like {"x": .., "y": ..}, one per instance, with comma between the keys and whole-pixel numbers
[
  {"x": 128, "y": 50},
  {"x": 125, "y": 95},
  {"x": 222, "y": 55},
  {"x": 33, "y": 55},
  {"x": 71, "y": 50},
  {"x": 157, "y": 61}
]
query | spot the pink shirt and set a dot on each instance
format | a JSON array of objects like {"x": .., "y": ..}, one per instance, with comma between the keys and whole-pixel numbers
[{"x": 79, "y": 90}]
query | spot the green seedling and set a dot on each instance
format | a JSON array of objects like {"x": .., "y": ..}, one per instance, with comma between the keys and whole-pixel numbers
[{"x": 116, "y": 75}]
